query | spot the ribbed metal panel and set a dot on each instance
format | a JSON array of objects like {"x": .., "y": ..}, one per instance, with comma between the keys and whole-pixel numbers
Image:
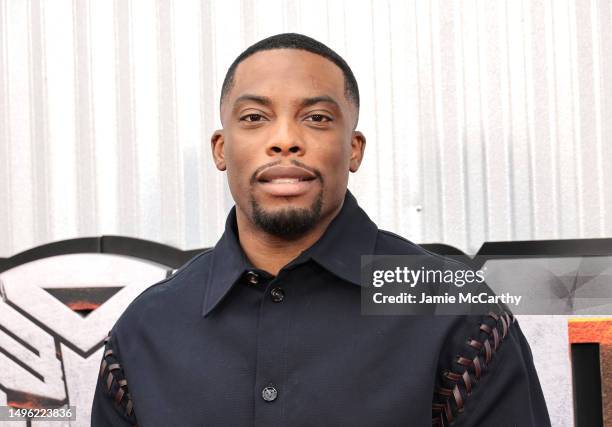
[{"x": 486, "y": 120}]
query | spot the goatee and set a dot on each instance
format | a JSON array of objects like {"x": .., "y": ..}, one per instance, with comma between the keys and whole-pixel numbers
[{"x": 287, "y": 223}]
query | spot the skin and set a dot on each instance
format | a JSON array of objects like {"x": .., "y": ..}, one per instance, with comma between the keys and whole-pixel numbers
[{"x": 282, "y": 130}]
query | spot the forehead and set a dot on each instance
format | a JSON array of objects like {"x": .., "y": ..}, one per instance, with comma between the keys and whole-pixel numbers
[{"x": 287, "y": 73}]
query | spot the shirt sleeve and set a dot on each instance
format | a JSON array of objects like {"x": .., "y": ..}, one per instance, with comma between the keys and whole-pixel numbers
[
  {"x": 487, "y": 377},
  {"x": 112, "y": 403}
]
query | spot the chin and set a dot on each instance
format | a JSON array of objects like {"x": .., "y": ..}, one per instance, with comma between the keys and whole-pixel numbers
[{"x": 287, "y": 218}]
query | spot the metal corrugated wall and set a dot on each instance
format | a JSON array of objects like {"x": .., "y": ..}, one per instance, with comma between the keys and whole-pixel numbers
[{"x": 486, "y": 120}]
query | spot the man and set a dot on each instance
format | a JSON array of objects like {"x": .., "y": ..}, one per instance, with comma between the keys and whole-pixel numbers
[{"x": 265, "y": 328}]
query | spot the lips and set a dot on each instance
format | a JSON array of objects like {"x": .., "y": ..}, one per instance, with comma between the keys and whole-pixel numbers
[
  {"x": 283, "y": 174},
  {"x": 286, "y": 181}
]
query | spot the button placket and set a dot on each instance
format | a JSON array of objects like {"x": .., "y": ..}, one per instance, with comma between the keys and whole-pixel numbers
[
  {"x": 269, "y": 393},
  {"x": 252, "y": 277},
  {"x": 277, "y": 294},
  {"x": 271, "y": 358}
]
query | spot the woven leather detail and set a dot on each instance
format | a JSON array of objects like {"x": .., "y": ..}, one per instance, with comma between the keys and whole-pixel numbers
[
  {"x": 114, "y": 382},
  {"x": 457, "y": 384}
]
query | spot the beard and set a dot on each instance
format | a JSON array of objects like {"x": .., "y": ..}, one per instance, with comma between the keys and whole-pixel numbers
[{"x": 287, "y": 223}]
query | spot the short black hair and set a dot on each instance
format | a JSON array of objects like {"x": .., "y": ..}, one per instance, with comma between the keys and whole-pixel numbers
[{"x": 301, "y": 42}]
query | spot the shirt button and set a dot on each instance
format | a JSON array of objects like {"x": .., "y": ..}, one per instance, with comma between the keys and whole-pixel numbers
[
  {"x": 269, "y": 394},
  {"x": 277, "y": 294},
  {"x": 252, "y": 277}
]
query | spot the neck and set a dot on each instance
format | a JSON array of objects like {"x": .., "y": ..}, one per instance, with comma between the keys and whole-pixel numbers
[{"x": 271, "y": 253}]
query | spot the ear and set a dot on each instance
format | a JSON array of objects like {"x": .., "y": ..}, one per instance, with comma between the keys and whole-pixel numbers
[
  {"x": 217, "y": 144},
  {"x": 358, "y": 142}
]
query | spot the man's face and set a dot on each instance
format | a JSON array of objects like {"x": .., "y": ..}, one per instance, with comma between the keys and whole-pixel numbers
[{"x": 287, "y": 141}]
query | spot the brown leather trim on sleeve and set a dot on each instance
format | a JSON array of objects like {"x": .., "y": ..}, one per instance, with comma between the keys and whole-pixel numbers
[
  {"x": 486, "y": 328},
  {"x": 115, "y": 383},
  {"x": 477, "y": 367},
  {"x": 109, "y": 381},
  {"x": 456, "y": 385},
  {"x": 474, "y": 344},
  {"x": 504, "y": 327},
  {"x": 102, "y": 367},
  {"x": 488, "y": 352},
  {"x": 495, "y": 339},
  {"x": 119, "y": 395},
  {"x": 458, "y": 398},
  {"x": 467, "y": 380},
  {"x": 452, "y": 376},
  {"x": 129, "y": 407}
]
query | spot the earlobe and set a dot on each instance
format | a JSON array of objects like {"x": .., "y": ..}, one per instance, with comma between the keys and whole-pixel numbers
[
  {"x": 217, "y": 144},
  {"x": 358, "y": 142}
]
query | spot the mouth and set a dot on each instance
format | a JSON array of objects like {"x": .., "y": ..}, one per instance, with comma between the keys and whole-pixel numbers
[{"x": 286, "y": 181}]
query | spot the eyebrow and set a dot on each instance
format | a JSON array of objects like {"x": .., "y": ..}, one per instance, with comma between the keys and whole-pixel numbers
[
  {"x": 306, "y": 102},
  {"x": 263, "y": 100}
]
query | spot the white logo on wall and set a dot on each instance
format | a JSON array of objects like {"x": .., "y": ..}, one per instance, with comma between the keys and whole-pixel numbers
[{"x": 54, "y": 314}]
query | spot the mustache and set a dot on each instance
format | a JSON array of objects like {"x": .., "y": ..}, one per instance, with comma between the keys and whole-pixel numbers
[{"x": 294, "y": 162}]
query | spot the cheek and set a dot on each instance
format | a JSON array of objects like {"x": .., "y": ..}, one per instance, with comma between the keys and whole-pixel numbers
[
  {"x": 336, "y": 164},
  {"x": 237, "y": 154},
  {"x": 238, "y": 162},
  {"x": 336, "y": 155}
]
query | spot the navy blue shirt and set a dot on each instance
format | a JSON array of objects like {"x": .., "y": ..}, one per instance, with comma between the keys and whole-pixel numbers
[{"x": 221, "y": 343}]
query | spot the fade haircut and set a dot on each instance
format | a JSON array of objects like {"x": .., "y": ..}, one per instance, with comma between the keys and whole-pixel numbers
[{"x": 300, "y": 42}]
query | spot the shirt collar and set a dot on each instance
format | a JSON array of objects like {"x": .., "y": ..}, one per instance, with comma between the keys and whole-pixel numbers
[{"x": 349, "y": 235}]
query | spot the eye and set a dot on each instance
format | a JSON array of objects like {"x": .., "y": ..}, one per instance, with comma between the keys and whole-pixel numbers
[
  {"x": 319, "y": 118},
  {"x": 253, "y": 117}
]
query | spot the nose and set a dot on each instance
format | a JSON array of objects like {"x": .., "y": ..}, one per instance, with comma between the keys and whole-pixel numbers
[{"x": 285, "y": 139}]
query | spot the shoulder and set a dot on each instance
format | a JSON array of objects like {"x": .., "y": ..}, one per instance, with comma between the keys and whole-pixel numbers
[
  {"x": 197, "y": 265},
  {"x": 485, "y": 370},
  {"x": 178, "y": 294},
  {"x": 389, "y": 243},
  {"x": 156, "y": 307}
]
